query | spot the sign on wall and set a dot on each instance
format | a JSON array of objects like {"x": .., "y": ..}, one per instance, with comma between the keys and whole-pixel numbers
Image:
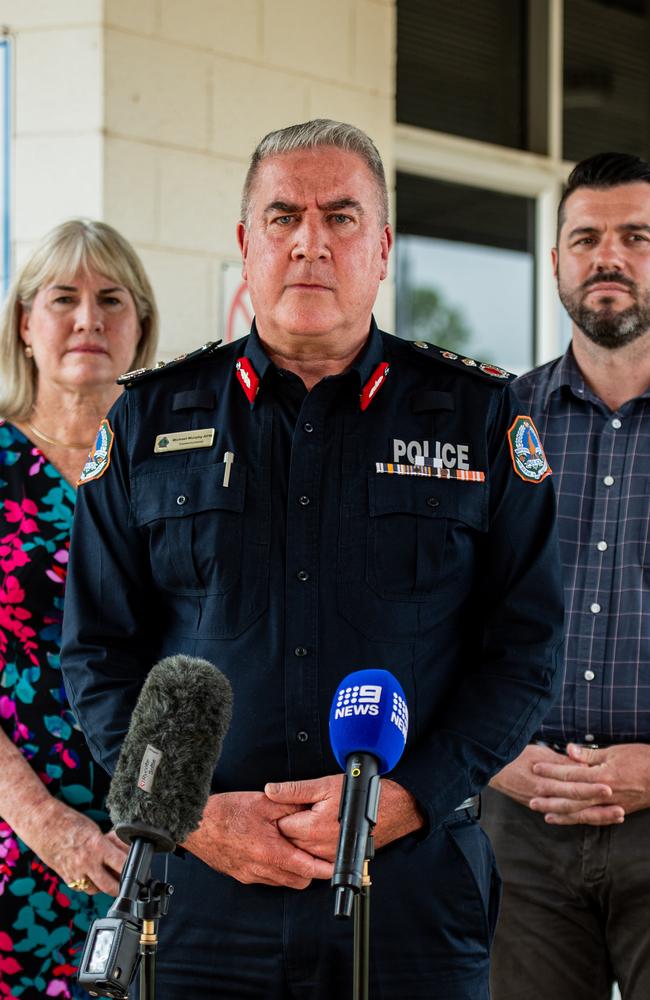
[{"x": 237, "y": 311}]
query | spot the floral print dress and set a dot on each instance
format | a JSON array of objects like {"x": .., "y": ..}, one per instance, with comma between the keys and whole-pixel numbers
[{"x": 43, "y": 923}]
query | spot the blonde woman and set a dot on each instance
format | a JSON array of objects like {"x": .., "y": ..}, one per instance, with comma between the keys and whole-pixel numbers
[{"x": 79, "y": 313}]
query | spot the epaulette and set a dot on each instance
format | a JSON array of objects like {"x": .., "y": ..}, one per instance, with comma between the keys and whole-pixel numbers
[
  {"x": 467, "y": 364},
  {"x": 142, "y": 374}
]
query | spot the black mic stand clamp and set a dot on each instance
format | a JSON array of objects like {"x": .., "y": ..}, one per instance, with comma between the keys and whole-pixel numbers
[
  {"x": 128, "y": 935},
  {"x": 351, "y": 878},
  {"x": 152, "y": 904}
]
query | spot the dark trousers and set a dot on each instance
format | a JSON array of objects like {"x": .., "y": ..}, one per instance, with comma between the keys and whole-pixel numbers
[
  {"x": 433, "y": 910},
  {"x": 575, "y": 915}
]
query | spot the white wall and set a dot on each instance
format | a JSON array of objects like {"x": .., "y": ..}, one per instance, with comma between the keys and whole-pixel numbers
[{"x": 144, "y": 113}]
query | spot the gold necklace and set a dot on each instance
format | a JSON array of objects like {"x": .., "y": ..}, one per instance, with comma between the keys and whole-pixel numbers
[{"x": 59, "y": 444}]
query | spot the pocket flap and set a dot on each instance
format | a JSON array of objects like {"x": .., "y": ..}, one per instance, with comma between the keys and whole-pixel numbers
[
  {"x": 458, "y": 499},
  {"x": 156, "y": 495}
]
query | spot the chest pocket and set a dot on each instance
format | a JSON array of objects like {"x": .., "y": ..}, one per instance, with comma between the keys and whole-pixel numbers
[
  {"x": 407, "y": 559},
  {"x": 206, "y": 540}
]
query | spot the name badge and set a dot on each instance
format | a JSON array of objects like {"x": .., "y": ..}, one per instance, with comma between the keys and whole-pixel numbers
[{"x": 184, "y": 440}]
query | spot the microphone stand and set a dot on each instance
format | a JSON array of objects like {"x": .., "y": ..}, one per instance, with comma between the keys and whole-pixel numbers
[
  {"x": 151, "y": 906},
  {"x": 351, "y": 879},
  {"x": 361, "y": 966}
]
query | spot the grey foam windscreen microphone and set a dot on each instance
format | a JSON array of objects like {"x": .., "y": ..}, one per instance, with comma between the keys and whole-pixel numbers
[{"x": 164, "y": 771}]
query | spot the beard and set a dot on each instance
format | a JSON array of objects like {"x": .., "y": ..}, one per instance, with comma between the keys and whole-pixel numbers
[{"x": 604, "y": 325}]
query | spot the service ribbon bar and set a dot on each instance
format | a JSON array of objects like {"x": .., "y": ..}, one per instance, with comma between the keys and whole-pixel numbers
[{"x": 392, "y": 469}]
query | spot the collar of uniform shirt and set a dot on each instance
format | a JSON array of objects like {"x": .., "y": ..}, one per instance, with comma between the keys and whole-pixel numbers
[{"x": 366, "y": 363}]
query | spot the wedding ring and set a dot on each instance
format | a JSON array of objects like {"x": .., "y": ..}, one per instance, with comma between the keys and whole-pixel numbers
[{"x": 81, "y": 884}]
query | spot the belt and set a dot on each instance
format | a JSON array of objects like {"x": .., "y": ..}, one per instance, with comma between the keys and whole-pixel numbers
[{"x": 472, "y": 806}]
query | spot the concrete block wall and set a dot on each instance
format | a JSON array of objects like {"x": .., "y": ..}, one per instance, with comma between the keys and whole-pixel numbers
[
  {"x": 57, "y": 114},
  {"x": 145, "y": 114}
]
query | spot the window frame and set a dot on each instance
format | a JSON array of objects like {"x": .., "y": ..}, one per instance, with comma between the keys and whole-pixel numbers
[{"x": 537, "y": 175}]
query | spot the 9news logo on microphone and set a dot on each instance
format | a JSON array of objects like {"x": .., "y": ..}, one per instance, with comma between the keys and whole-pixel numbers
[
  {"x": 369, "y": 714},
  {"x": 365, "y": 699}
]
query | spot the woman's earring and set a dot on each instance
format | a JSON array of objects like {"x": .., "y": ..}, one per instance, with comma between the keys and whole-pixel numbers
[{"x": 28, "y": 351}]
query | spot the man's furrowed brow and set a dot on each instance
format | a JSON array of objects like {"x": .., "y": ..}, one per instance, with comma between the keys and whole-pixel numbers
[
  {"x": 636, "y": 227},
  {"x": 286, "y": 207},
  {"x": 581, "y": 231},
  {"x": 338, "y": 204},
  {"x": 626, "y": 227}
]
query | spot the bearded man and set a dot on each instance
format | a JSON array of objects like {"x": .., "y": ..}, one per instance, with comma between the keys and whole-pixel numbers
[{"x": 570, "y": 817}]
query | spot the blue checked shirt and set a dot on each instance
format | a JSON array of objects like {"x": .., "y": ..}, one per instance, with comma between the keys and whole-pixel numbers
[{"x": 601, "y": 470}]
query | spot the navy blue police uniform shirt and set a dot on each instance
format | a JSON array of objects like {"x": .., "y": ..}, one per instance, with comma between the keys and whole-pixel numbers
[{"x": 318, "y": 547}]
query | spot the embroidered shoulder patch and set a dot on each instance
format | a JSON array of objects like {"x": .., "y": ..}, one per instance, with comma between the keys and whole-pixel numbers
[
  {"x": 99, "y": 457},
  {"x": 528, "y": 457}
]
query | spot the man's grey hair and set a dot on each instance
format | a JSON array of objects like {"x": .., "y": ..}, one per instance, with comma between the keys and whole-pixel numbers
[{"x": 310, "y": 135}]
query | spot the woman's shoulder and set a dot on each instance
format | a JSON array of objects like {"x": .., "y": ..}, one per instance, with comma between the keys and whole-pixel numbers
[
  {"x": 21, "y": 463},
  {"x": 12, "y": 442}
]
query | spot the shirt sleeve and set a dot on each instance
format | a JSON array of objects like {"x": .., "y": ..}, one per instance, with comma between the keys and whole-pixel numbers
[
  {"x": 107, "y": 616},
  {"x": 499, "y": 700}
]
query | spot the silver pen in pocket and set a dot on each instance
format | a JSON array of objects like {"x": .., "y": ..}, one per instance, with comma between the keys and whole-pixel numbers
[{"x": 229, "y": 457}]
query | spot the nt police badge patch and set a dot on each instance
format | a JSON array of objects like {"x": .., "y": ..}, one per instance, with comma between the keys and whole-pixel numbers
[
  {"x": 99, "y": 457},
  {"x": 528, "y": 458}
]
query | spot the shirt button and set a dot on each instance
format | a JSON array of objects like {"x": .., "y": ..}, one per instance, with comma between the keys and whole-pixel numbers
[
  {"x": 616, "y": 423},
  {"x": 308, "y": 428},
  {"x": 304, "y": 501},
  {"x": 602, "y": 546},
  {"x": 608, "y": 480},
  {"x": 302, "y": 736},
  {"x": 595, "y": 608},
  {"x": 589, "y": 675},
  {"x": 589, "y": 738},
  {"x": 181, "y": 500},
  {"x": 300, "y": 651},
  {"x": 302, "y": 575},
  {"x": 433, "y": 502}
]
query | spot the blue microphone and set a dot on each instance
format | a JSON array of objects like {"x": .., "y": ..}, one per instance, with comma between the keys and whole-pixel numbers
[{"x": 368, "y": 728}]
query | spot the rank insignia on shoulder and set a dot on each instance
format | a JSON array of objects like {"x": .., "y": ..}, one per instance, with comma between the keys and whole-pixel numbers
[
  {"x": 528, "y": 457},
  {"x": 99, "y": 457},
  {"x": 458, "y": 361},
  {"x": 494, "y": 371},
  {"x": 142, "y": 374}
]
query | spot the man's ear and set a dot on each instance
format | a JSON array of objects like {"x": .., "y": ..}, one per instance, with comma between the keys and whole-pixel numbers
[
  {"x": 386, "y": 245},
  {"x": 555, "y": 256},
  {"x": 242, "y": 240}
]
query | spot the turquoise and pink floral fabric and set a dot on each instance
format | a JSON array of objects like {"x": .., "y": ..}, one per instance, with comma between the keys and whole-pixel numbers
[{"x": 43, "y": 923}]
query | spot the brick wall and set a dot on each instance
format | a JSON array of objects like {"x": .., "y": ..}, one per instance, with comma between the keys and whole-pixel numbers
[{"x": 144, "y": 113}]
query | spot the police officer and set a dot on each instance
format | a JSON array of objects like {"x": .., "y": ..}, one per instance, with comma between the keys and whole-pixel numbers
[{"x": 317, "y": 498}]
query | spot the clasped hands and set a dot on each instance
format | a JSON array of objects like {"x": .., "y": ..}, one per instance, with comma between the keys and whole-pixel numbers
[
  {"x": 589, "y": 785},
  {"x": 287, "y": 835}
]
